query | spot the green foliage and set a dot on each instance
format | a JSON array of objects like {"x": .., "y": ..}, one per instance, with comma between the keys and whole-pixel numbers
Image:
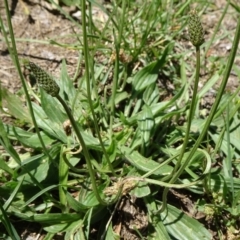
[{"x": 86, "y": 148}]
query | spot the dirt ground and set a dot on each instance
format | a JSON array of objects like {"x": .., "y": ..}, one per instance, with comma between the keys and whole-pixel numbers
[{"x": 36, "y": 24}]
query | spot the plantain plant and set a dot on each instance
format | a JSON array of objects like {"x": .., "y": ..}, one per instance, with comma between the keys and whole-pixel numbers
[{"x": 90, "y": 148}]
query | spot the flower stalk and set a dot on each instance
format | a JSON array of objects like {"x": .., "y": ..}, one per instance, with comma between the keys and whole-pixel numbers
[
  {"x": 48, "y": 84},
  {"x": 196, "y": 36}
]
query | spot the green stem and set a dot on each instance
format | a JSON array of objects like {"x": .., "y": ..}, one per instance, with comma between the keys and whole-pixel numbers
[
  {"x": 186, "y": 139},
  {"x": 116, "y": 67},
  {"x": 13, "y": 52},
  {"x": 85, "y": 50},
  {"x": 191, "y": 111},
  {"x": 85, "y": 150},
  {"x": 216, "y": 30},
  {"x": 63, "y": 180},
  {"x": 86, "y": 155}
]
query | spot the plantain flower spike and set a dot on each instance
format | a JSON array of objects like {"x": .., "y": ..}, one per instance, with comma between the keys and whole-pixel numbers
[
  {"x": 43, "y": 79},
  {"x": 195, "y": 29}
]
